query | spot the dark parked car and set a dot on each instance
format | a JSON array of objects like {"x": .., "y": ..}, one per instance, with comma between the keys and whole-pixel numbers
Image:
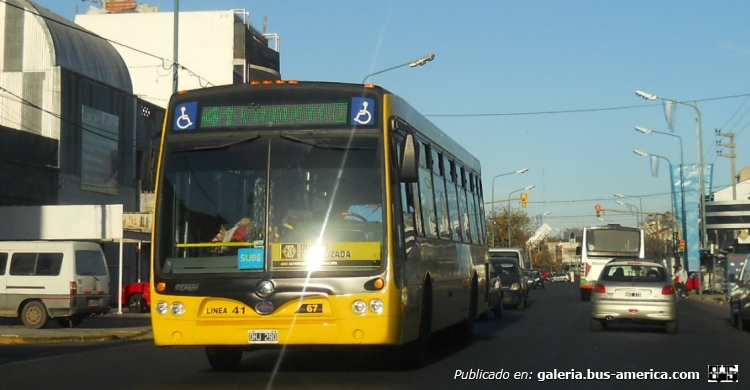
[
  {"x": 537, "y": 279},
  {"x": 515, "y": 291}
]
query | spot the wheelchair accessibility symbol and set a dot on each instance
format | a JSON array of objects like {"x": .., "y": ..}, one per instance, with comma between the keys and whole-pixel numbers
[
  {"x": 184, "y": 116},
  {"x": 362, "y": 111}
]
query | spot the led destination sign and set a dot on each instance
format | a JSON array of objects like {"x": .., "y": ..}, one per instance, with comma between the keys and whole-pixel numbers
[{"x": 265, "y": 115}]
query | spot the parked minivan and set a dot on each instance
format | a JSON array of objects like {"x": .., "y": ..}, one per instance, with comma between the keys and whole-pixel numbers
[{"x": 64, "y": 280}]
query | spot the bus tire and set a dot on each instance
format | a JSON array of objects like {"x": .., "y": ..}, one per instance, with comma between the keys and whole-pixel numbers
[
  {"x": 223, "y": 358},
  {"x": 34, "y": 315},
  {"x": 415, "y": 352},
  {"x": 464, "y": 330}
]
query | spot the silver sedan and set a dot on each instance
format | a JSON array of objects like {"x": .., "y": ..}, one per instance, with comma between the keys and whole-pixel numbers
[{"x": 634, "y": 290}]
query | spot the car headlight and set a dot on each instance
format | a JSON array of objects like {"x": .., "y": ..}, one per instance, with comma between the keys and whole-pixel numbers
[{"x": 514, "y": 286}]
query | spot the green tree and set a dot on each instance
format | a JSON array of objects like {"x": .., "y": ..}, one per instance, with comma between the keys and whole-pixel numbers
[{"x": 509, "y": 220}]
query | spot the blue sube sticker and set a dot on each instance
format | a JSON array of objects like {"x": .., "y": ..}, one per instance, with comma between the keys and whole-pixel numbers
[
  {"x": 362, "y": 111},
  {"x": 185, "y": 116},
  {"x": 251, "y": 258}
]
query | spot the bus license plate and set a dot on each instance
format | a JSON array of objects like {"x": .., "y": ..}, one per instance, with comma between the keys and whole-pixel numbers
[{"x": 263, "y": 336}]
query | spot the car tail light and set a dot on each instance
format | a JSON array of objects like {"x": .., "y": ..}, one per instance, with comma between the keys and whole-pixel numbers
[
  {"x": 599, "y": 288},
  {"x": 667, "y": 290}
]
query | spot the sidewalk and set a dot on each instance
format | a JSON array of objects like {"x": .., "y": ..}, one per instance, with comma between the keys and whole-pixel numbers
[{"x": 108, "y": 327}]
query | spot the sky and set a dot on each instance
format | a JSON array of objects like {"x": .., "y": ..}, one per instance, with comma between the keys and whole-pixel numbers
[{"x": 544, "y": 85}]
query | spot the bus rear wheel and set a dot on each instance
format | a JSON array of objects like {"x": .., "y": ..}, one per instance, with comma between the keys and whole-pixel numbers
[{"x": 224, "y": 358}]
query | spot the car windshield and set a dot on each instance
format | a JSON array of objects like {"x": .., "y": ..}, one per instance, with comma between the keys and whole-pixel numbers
[{"x": 634, "y": 273}]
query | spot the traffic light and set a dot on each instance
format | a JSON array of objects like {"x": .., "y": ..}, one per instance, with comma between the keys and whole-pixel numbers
[
  {"x": 598, "y": 210},
  {"x": 524, "y": 197},
  {"x": 682, "y": 245}
]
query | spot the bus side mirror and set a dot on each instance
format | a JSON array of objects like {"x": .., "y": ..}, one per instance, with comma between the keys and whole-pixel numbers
[
  {"x": 578, "y": 250},
  {"x": 408, "y": 172}
]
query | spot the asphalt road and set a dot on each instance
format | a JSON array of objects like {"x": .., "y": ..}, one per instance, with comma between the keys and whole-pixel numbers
[{"x": 535, "y": 348}]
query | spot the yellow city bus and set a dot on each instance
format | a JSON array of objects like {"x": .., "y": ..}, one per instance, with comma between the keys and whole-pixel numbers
[{"x": 312, "y": 213}]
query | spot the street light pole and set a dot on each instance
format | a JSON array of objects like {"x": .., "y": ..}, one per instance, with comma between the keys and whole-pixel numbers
[
  {"x": 511, "y": 193},
  {"x": 630, "y": 208},
  {"x": 640, "y": 203},
  {"x": 644, "y": 154},
  {"x": 518, "y": 172},
  {"x": 417, "y": 62},
  {"x": 699, "y": 136},
  {"x": 682, "y": 178}
]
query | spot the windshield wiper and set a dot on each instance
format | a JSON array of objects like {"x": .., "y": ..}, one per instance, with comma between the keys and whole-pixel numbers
[
  {"x": 222, "y": 146},
  {"x": 323, "y": 146}
]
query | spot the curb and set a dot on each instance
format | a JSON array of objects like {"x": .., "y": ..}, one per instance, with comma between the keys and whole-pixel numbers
[{"x": 111, "y": 336}]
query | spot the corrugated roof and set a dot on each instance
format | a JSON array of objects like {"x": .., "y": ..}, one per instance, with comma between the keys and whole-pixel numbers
[{"x": 84, "y": 52}]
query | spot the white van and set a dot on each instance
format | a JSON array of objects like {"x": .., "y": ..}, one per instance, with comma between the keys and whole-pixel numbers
[
  {"x": 65, "y": 280},
  {"x": 517, "y": 253}
]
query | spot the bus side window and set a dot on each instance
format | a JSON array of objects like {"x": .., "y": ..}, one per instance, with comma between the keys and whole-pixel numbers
[
  {"x": 454, "y": 210},
  {"x": 426, "y": 194},
  {"x": 441, "y": 203}
]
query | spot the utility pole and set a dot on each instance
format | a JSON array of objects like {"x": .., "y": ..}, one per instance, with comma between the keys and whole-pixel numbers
[{"x": 731, "y": 155}]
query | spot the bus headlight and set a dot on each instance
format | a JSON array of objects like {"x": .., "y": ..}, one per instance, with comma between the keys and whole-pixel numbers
[
  {"x": 376, "y": 305},
  {"x": 162, "y": 307},
  {"x": 178, "y": 308},
  {"x": 359, "y": 307}
]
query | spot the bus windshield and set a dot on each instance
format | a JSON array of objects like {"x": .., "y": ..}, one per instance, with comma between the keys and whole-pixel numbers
[
  {"x": 261, "y": 203},
  {"x": 613, "y": 242}
]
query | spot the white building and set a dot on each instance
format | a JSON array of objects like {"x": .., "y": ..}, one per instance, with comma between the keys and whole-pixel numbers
[{"x": 215, "y": 47}]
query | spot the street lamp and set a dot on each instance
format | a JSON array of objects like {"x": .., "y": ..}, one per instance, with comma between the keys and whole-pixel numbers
[
  {"x": 630, "y": 208},
  {"x": 645, "y": 130},
  {"x": 644, "y": 154},
  {"x": 511, "y": 193},
  {"x": 415, "y": 63},
  {"x": 699, "y": 136},
  {"x": 640, "y": 203},
  {"x": 518, "y": 172}
]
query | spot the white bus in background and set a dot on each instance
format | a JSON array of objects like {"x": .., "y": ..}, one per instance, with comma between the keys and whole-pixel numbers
[{"x": 601, "y": 244}]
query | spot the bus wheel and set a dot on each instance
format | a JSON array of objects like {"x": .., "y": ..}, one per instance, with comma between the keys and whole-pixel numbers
[
  {"x": 135, "y": 303},
  {"x": 224, "y": 358},
  {"x": 34, "y": 315},
  {"x": 414, "y": 353},
  {"x": 465, "y": 329},
  {"x": 69, "y": 322}
]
